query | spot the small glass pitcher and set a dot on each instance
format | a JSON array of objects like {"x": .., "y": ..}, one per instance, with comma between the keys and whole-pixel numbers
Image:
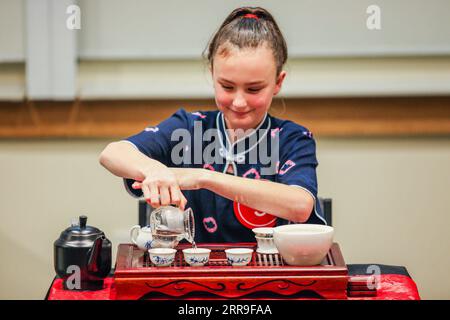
[{"x": 170, "y": 225}]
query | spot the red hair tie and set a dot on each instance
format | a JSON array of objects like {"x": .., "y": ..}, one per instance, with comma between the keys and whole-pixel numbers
[{"x": 251, "y": 16}]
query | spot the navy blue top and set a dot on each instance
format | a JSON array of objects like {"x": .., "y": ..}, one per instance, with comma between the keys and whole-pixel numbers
[{"x": 277, "y": 150}]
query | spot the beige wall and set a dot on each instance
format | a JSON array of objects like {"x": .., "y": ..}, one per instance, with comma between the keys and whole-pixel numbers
[{"x": 390, "y": 198}]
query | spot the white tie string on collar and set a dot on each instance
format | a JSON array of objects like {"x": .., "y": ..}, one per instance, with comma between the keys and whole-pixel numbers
[{"x": 239, "y": 158}]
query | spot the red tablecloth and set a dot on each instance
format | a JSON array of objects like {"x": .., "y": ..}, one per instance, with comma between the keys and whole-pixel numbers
[{"x": 391, "y": 287}]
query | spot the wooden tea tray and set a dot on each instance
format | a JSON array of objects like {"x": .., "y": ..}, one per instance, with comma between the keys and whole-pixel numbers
[{"x": 266, "y": 276}]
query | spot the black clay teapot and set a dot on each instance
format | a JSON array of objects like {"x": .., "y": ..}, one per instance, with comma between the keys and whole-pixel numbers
[{"x": 82, "y": 257}]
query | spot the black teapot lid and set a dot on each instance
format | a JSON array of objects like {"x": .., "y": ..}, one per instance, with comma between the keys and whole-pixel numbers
[{"x": 80, "y": 231}]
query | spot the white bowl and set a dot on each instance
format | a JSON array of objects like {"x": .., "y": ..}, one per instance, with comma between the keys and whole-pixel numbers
[
  {"x": 162, "y": 257},
  {"x": 239, "y": 256},
  {"x": 263, "y": 232},
  {"x": 266, "y": 244},
  {"x": 196, "y": 257},
  {"x": 303, "y": 244}
]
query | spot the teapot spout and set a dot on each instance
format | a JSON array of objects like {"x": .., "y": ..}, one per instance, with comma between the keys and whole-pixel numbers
[{"x": 94, "y": 256}]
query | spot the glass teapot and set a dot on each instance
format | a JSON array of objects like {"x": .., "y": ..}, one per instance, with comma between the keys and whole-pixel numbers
[{"x": 169, "y": 225}]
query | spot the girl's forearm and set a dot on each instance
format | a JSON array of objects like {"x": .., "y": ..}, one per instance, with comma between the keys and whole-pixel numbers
[
  {"x": 287, "y": 202},
  {"x": 124, "y": 160}
]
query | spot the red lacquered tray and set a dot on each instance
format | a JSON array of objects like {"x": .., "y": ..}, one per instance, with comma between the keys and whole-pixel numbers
[{"x": 266, "y": 276}]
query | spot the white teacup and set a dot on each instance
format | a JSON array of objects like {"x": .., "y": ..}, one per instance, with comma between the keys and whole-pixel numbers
[
  {"x": 264, "y": 238},
  {"x": 162, "y": 257},
  {"x": 263, "y": 232},
  {"x": 239, "y": 256},
  {"x": 266, "y": 245},
  {"x": 196, "y": 257}
]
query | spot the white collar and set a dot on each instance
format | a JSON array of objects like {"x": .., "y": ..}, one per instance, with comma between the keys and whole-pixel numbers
[{"x": 226, "y": 150}]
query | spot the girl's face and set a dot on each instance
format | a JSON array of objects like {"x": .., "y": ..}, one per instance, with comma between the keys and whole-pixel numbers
[{"x": 245, "y": 82}]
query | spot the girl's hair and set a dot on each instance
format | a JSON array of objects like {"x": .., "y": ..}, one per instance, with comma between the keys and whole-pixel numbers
[{"x": 248, "y": 27}]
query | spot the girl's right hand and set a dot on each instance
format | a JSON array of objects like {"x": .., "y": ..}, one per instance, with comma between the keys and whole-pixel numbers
[{"x": 160, "y": 188}]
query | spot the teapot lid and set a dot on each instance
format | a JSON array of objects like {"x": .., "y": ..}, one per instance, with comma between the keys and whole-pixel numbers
[{"x": 80, "y": 231}]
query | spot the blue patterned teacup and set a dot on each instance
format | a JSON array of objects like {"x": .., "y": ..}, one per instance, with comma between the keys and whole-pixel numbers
[
  {"x": 239, "y": 256},
  {"x": 162, "y": 257},
  {"x": 196, "y": 257}
]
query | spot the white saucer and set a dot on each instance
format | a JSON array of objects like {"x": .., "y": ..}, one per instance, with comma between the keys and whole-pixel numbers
[{"x": 269, "y": 251}]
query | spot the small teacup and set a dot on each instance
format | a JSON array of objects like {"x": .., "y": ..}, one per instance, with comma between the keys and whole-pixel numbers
[
  {"x": 266, "y": 245},
  {"x": 263, "y": 232},
  {"x": 239, "y": 256},
  {"x": 264, "y": 238},
  {"x": 196, "y": 257},
  {"x": 162, "y": 257}
]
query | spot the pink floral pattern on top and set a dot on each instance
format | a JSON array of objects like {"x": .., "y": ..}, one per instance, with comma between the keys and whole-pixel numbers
[
  {"x": 286, "y": 167},
  {"x": 199, "y": 114},
  {"x": 273, "y": 132},
  {"x": 208, "y": 166},
  {"x": 252, "y": 171},
  {"x": 151, "y": 129},
  {"x": 210, "y": 224}
]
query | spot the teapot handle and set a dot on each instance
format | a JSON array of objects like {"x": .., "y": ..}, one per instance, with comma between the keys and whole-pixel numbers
[
  {"x": 191, "y": 223},
  {"x": 134, "y": 234}
]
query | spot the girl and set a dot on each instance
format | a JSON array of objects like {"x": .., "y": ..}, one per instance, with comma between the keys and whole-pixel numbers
[{"x": 251, "y": 169}]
